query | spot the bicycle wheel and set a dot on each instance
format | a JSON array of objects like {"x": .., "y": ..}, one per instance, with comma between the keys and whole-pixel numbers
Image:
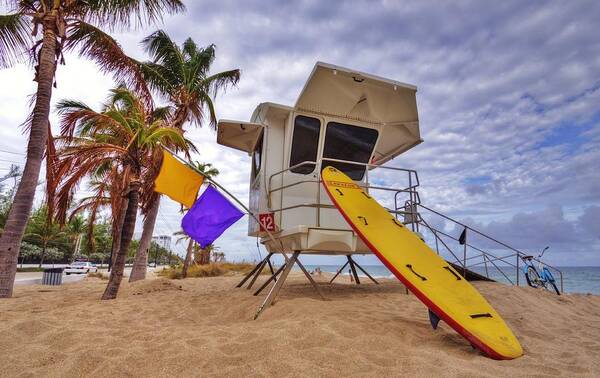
[
  {"x": 549, "y": 279},
  {"x": 533, "y": 278},
  {"x": 555, "y": 288}
]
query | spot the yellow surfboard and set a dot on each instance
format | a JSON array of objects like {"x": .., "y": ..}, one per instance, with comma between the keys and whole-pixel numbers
[{"x": 447, "y": 295}]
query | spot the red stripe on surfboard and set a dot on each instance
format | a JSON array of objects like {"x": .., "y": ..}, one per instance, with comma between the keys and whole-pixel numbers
[{"x": 422, "y": 297}]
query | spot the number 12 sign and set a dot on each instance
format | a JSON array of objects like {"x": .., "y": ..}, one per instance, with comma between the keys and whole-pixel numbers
[{"x": 267, "y": 221}]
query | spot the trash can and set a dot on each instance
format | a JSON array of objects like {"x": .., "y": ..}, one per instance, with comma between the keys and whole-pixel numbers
[{"x": 52, "y": 276}]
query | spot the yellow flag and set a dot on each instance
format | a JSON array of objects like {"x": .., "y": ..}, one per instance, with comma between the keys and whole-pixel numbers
[{"x": 178, "y": 181}]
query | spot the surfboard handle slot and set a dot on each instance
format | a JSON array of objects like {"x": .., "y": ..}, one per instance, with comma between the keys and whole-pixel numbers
[
  {"x": 339, "y": 191},
  {"x": 485, "y": 315},
  {"x": 363, "y": 219},
  {"x": 397, "y": 223},
  {"x": 453, "y": 273},
  {"x": 416, "y": 274}
]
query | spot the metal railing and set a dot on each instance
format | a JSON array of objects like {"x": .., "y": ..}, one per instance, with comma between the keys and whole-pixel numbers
[
  {"x": 476, "y": 257},
  {"x": 410, "y": 191}
]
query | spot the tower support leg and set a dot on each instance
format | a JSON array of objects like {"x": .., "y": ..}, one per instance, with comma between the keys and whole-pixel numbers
[
  {"x": 253, "y": 271},
  {"x": 338, "y": 272},
  {"x": 277, "y": 287},
  {"x": 267, "y": 282},
  {"x": 353, "y": 268},
  {"x": 364, "y": 271}
]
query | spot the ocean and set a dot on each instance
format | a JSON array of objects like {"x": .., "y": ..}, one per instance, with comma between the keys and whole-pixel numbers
[{"x": 575, "y": 279}]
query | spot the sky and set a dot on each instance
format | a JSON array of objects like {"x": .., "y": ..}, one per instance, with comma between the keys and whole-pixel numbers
[{"x": 508, "y": 97}]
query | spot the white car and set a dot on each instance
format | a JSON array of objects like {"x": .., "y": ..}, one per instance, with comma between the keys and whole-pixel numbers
[{"x": 80, "y": 267}]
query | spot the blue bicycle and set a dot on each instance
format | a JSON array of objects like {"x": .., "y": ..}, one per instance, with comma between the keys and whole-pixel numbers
[{"x": 543, "y": 278}]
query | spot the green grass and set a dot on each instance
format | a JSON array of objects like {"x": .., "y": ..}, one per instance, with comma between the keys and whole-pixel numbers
[{"x": 209, "y": 270}]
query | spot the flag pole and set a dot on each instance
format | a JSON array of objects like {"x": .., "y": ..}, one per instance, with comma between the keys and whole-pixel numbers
[{"x": 212, "y": 181}]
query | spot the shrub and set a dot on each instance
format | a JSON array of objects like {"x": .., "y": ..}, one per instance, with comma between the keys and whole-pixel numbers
[
  {"x": 208, "y": 270},
  {"x": 102, "y": 276}
]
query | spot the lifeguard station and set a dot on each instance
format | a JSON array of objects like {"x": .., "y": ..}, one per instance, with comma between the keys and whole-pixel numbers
[
  {"x": 343, "y": 118},
  {"x": 351, "y": 120},
  {"x": 347, "y": 119}
]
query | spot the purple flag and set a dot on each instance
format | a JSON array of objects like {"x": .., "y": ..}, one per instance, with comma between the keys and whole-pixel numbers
[{"x": 209, "y": 217}]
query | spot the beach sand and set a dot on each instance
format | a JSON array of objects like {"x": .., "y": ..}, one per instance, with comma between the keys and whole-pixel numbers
[{"x": 203, "y": 326}]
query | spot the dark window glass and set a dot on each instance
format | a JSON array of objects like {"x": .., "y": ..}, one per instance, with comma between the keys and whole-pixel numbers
[
  {"x": 305, "y": 143},
  {"x": 352, "y": 143},
  {"x": 257, "y": 156}
]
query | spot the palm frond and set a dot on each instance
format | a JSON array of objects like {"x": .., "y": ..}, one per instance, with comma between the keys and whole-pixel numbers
[
  {"x": 165, "y": 52},
  {"x": 181, "y": 75},
  {"x": 162, "y": 113},
  {"x": 118, "y": 14},
  {"x": 191, "y": 147},
  {"x": 99, "y": 174},
  {"x": 15, "y": 38},
  {"x": 207, "y": 101},
  {"x": 189, "y": 48},
  {"x": 167, "y": 135},
  {"x": 159, "y": 78},
  {"x": 221, "y": 80},
  {"x": 103, "y": 49},
  {"x": 78, "y": 117}
]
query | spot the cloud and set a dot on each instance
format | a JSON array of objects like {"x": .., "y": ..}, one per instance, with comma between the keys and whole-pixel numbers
[
  {"x": 508, "y": 91},
  {"x": 589, "y": 222}
]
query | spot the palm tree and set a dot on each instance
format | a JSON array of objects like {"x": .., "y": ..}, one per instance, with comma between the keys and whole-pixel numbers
[
  {"x": 190, "y": 250},
  {"x": 43, "y": 29},
  {"x": 76, "y": 228},
  {"x": 43, "y": 232},
  {"x": 125, "y": 135},
  {"x": 206, "y": 169},
  {"x": 181, "y": 75},
  {"x": 100, "y": 186},
  {"x": 204, "y": 255}
]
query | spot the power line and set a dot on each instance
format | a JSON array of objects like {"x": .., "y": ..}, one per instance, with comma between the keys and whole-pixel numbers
[
  {"x": 12, "y": 161},
  {"x": 12, "y": 152}
]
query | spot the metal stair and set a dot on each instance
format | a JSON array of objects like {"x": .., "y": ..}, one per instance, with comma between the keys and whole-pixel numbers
[{"x": 477, "y": 257}]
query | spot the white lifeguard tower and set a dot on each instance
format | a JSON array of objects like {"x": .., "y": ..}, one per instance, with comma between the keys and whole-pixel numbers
[
  {"x": 344, "y": 118},
  {"x": 348, "y": 119}
]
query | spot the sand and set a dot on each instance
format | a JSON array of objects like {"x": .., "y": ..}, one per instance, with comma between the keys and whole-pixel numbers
[{"x": 203, "y": 326}]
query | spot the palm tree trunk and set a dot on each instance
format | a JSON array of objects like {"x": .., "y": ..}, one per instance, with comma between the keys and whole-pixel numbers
[
  {"x": 117, "y": 228},
  {"x": 138, "y": 272},
  {"x": 10, "y": 241},
  {"x": 42, "y": 256},
  {"x": 188, "y": 259},
  {"x": 116, "y": 274},
  {"x": 205, "y": 256}
]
